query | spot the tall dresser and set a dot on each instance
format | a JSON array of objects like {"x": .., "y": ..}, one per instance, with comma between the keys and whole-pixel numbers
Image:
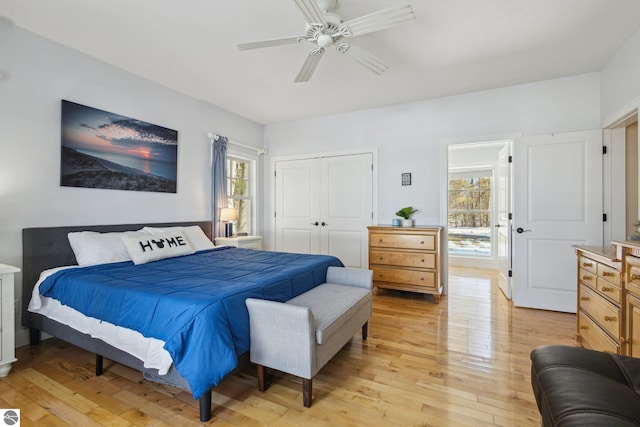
[
  {"x": 600, "y": 292},
  {"x": 407, "y": 258},
  {"x": 609, "y": 298}
]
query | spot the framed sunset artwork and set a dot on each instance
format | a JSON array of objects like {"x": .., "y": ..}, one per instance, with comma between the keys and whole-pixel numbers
[{"x": 106, "y": 150}]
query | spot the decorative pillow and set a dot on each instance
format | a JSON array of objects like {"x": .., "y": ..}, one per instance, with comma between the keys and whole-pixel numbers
[
  {"x": 147, "y": 248},
  {"x": 194, "y": 234},
  {"x": 91, "y": 247}
]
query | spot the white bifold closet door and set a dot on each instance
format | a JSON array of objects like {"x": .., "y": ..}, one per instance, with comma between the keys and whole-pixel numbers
[{"x": 323, "y": 205}]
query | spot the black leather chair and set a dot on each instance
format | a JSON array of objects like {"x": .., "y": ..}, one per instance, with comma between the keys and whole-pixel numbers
[{"x": 580, "y": 387}]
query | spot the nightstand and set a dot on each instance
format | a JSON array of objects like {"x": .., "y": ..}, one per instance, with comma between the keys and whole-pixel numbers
[
  {"x": 8, "y": 325},
  {"x": 247, "y": 242}
]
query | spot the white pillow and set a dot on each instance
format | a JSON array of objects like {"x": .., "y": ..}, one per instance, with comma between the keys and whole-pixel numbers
[
  {"x": 194, "y": 234},
  {"x": 91, "y": 247},
  {"x": 147, "y": 248}
]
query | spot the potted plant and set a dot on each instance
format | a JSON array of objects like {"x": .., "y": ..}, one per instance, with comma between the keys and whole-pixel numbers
[{"x": 406, "y": 214}]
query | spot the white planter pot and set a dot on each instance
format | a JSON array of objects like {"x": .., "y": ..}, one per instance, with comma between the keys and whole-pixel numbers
[{"x": 407, "y": 223}]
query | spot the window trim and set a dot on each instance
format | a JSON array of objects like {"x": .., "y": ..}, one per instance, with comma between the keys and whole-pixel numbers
[
  {"x": 252, "y": 160},
  {"x": 473, "y": 171}
]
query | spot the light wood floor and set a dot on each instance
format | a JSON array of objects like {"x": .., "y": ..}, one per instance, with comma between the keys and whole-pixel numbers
[{"x": 464, "y": 361}]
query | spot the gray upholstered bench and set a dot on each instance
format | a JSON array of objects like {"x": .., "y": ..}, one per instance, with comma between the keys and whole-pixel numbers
[{"x": 301, "y": 335}]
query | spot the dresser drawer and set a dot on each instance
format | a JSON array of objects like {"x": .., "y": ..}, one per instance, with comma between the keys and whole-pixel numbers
[
  {"x": 633, "y": 278},
  {"x": 588, "y": 264},
  {"x": 408, "y": 241},
  {"x": 609, "y": 289},
  {"x": 404, "y": 259},
  {"x": 588, "y": 277},
  {"x": 602, "y": 311},
  {"x": 593, "y": 336},
  {"x": 610, "y": 274},
  {"x": 409, "y": 277}
]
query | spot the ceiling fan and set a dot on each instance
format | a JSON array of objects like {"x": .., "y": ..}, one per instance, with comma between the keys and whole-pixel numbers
[{"x": 324, "y": 29}]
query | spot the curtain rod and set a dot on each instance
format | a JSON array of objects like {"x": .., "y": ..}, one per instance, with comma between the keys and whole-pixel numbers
[{"x": 214, "y": 137}]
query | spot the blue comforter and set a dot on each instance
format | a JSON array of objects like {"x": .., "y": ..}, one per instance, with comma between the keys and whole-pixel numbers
[{"x": 194, "y": 303}]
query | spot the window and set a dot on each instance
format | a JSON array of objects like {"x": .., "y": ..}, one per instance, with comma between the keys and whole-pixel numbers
[
  {"x": 240, "y": 192},
  {"x": 470, "y": 213}
]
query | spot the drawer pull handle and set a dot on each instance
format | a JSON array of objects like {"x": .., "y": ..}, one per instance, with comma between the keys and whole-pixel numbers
[
  {"x": 380, "y": 259},
  {"x": 587, "y": 278},
  {"x": 422, "y": 279},
  {"x": 421, "y": 260},
  {"x": 584, "y": 298},
  {"x": 422, "y": 243},
  {"x": 587, "y": 264},
  {"x": 606, "y": 289},
  {"x": 609, "y": 318},
  {"x": 380, "y": 241},
  {"x": 584, "y": 327},
  {"x": 380, "y": 275},
  {"x": 635, "y": 277},
  {"x": 606, "y": 274}
]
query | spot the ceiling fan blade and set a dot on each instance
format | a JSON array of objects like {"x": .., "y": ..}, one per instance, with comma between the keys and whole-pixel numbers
[
  {"x": 380, "y": 20},
  {"x": 270, "y": 43},
  {"x": 364, "y": 57},
  {"x": 311, "y": 11},
  {"x": 310, "y": 64}
]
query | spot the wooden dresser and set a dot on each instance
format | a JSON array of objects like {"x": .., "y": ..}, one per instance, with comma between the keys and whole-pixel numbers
[
  {"x": 407, "y": 258},
  {"x": 609, "y": 298},
  {"x": 599, "y": 319}
]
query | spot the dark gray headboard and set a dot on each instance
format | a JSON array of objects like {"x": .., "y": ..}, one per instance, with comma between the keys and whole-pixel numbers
[{"x": 48, "y": 247}]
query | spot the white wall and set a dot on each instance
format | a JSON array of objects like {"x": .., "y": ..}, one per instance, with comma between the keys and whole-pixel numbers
[
  {"x": 620, "y": 80},
  {"x": 409, "y": 136},
  {"x": 37, "y": 74}
]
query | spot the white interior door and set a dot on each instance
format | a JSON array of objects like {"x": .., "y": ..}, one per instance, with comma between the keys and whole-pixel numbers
[
  {"x": 297, "y": 205},
  {"x": 503, "y": 223},
  {"x": 346, "y": 208},
  {"x": 324, "y": 205},
  {"x": 557, "y": 204}
]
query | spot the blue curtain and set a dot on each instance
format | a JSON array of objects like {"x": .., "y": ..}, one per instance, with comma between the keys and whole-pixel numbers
[{"x": 218, "y": 183}]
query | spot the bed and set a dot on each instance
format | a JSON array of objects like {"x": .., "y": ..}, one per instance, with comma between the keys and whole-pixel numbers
[{"x": 237, "y": 274}]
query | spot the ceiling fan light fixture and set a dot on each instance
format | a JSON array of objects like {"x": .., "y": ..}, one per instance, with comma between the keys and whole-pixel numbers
[{"x": 325, "y": 40}]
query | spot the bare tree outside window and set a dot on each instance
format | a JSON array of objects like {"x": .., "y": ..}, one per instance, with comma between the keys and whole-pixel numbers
[
  {"x": 470, "y": 216},
  {"x": 239, "y": 192}
]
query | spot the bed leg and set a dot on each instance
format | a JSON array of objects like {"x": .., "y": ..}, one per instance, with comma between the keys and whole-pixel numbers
[
  {"x": 365, "y": 331},
  {"x": 34, "y": 336},
  {"x": 99, "y": 365},
  {"x": 205, "y": 406}
]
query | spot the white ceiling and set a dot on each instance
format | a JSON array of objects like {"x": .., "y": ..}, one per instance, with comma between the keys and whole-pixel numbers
[{"x": 454, "y": 46}]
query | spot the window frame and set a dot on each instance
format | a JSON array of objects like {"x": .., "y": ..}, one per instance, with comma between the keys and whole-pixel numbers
[
  {"x": 475, "y": 172},
  {"x": 252, "y": 184}
]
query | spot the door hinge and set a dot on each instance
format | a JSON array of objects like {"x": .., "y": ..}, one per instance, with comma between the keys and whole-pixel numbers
[
  {"x": 274, "y": 174},
  {"x": 604, "y": 217},
  {"x": 510, "y": 273},
  {"x": 604, "y": 149},
  {"x": 510, "y": 159},
  {"x": 275, "y": 214},
  {"x": 371, "y": 166},
  {"x": 510, "y": 215}
]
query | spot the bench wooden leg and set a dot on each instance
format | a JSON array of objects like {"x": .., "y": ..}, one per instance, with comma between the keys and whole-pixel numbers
[
  {"x": 263, "y": 381},
  {"x": 306, "y": 392},
  {"x": 365, "y": 331}
]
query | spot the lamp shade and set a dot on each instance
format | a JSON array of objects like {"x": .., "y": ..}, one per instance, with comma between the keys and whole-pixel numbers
[{"x": 228, "y": 214}]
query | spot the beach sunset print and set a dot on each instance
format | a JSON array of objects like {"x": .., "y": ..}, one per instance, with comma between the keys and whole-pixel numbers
[{"x": 106, "y": 150}]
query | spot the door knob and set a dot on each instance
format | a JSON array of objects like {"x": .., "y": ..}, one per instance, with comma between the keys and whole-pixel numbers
[
  {"x": 315, "y": 223},
  {"x": 521, "y": 230},
  {"x": 323, "y": 223}
]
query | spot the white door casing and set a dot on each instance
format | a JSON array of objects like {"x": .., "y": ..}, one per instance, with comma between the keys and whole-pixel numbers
[
  {"x": 323, "y": 206},
  {"x": 503, "y": 222},
  {"x": 557, "y": 204}
]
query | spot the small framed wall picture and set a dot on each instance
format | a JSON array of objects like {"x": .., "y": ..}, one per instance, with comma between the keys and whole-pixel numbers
[{"x": 406, "y": 178}]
